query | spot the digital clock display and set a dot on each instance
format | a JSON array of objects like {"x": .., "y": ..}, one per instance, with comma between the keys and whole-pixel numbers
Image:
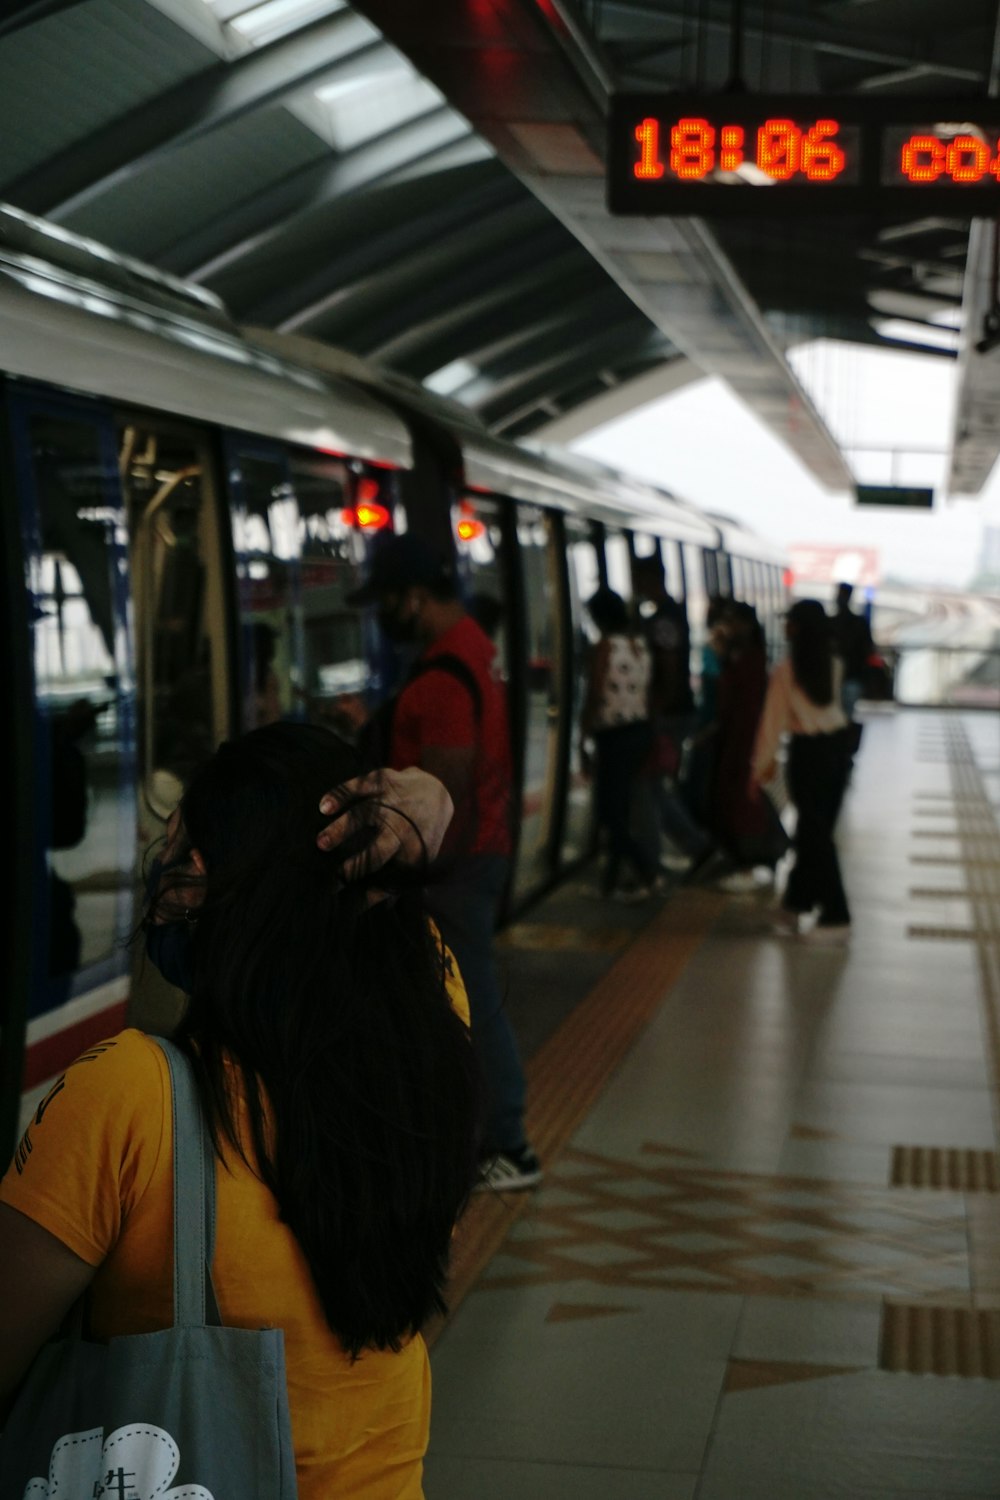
[{"x": 740, "y": 154}]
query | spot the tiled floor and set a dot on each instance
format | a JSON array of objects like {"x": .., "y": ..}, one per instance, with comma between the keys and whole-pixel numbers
[{"x": 693, "y": 1306}]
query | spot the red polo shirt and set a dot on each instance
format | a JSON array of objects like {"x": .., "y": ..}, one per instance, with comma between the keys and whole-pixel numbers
[{"x": 438, "y": 710}]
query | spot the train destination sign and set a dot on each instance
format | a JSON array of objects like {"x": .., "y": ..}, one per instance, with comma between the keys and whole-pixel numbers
[{"x": 745, "y": 153}]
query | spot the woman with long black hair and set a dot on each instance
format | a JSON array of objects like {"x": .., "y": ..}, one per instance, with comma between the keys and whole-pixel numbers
[
  {"x": 329, "y": 1040},
  {"x": 803, "y": 701}
]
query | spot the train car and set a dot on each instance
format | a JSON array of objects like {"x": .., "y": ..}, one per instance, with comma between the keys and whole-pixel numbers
[{"x": 186, "y": 506}]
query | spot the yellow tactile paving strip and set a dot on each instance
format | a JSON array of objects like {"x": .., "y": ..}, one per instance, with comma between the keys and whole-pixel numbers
[
  {"x": 573, "y": 1067},
  {"x": 941, "y": 1341},
  {"x": 945, "y": 1167}
]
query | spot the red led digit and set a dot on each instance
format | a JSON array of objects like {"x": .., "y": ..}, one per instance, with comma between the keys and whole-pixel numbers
[
  {"x": 967, "y": 159},
  {"x": 923, "y": 158},
  {"x": 779, "y": 148},
  {"x": 692, "y": 148},
  {"x": 649, "y": 164},
  {"x": 822, "y": 159},
  {"x": 731, "y": 153}
]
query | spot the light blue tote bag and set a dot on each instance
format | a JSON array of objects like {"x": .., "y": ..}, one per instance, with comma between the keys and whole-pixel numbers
[{"x": 195, "y": 1412}]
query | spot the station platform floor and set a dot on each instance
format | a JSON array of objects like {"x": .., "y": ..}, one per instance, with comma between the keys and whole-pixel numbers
[{"x": 764, "y": 1263}]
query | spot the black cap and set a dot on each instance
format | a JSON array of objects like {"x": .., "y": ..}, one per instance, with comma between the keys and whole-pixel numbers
[{"x": 397, "y": 563}]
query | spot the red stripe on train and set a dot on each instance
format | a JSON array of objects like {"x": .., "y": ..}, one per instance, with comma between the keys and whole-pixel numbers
[{"x": 51, "y": 1054}]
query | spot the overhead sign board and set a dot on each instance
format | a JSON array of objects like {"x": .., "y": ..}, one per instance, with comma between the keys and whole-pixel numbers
[
  {"x": 896, "y": 495},
  {"x": 712, "y": 154}
]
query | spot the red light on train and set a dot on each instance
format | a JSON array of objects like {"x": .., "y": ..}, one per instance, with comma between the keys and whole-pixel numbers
[
  {"x": 788, "y": 578},
  {"x": 366, "y": 516},
  {"x": 371, "y": 517},
  {"x": 468, "y": 529}
]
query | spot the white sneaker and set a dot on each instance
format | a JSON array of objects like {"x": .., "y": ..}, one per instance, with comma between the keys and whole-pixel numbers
[
  {"x": 832, "y": 935},
  {"x": 739, "y": 883},
  {"x": 509, "y": 1172}
]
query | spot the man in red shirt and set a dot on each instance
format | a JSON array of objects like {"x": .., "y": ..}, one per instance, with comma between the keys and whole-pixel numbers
[{"x": 450, "y": 718}]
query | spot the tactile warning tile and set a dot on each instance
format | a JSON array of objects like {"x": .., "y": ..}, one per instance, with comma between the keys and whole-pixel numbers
[
  {"x": 927, "y": 1340},
  {"x": 665, "y": 1222},
  {"x": 943, "y": 934},
  {"x": 547, "y": 936},
  {"x": 959, "y": 1171}
]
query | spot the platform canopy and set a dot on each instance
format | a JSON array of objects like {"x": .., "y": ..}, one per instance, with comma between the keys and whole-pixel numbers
[{"x": 423, "y": 185}]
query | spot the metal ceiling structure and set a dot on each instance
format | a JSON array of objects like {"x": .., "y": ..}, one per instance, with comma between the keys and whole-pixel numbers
[{"x": 423, "y": 186}]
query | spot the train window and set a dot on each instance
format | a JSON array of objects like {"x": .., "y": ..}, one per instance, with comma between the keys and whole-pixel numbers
[
  {"x": 478, "y": 532},
  {"x": 672, "y": 571},
  {"x": 539, "y": 570},
  {"x": 335, "y": 659},
  {"x": 83, "y": 700},
  {"x": 581, "y": 554},
  {"x": 643, "y": 545},
  {"x": 619, "y": 568},
  {"x": 697, "y": 600},
  {"x": 179, "y": 610},
  {"x": 267, "y": 539},
  {"x": 724, "y": 574}
]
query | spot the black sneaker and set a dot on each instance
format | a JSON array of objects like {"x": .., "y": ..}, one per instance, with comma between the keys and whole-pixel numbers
[{"x": 509, "y": 1171}]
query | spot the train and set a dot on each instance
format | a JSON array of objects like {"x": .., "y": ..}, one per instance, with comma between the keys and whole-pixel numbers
[{"x": 186, "y": 505}]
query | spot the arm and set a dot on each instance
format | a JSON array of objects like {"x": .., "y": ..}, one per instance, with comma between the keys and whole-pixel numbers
[
  {"x": 416, "y": 811},
  {"x": 40, "y": 1279}
]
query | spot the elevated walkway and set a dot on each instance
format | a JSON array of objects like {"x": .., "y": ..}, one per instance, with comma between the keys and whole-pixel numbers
[{"x": 765, "y": 1260}]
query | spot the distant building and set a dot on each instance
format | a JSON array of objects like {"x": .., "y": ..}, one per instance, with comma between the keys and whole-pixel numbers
[{"x": 829, "y": 564}]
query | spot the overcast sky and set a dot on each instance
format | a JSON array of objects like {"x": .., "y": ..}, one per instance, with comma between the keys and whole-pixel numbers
[{"x": 708, "y": 448}]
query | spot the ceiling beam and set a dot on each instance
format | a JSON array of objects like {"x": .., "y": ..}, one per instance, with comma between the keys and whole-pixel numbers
[
  {"x": 192, "y": 109},
  {"x": 21, "y": 13}
]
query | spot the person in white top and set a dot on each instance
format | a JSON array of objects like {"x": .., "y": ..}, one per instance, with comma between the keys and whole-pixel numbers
[
  {"x": 804, "y": 702},
  {"x": 616, "y": 717}
]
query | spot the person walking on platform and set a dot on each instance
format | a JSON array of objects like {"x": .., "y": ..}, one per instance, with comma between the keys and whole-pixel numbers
[
  {"x": 852, "y": 641},
  {"x": 615, "y": 720},
  {"x": 331, "y": 1053},
  {"x": 450, "y": 718},
  {"x": 803, "y": 701},
  {"x": 672, "y": 711}
]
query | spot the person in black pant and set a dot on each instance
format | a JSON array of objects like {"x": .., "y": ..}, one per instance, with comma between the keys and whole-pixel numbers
[{"x": 803, "y": 701}]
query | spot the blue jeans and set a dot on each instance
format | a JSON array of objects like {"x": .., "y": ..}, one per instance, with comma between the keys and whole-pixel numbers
[{"x": 465, "y": 908}]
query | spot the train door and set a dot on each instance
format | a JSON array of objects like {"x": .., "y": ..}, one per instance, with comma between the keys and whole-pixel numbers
[
  {"x": 583, "y": 577},
  {"x": 181, "y": 585},
  {"x": 542, "y": 739},
  {"x": 80, "y": 807}
]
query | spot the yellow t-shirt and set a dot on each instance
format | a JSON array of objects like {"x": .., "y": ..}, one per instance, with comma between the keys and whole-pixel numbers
[{"x": 95, "y": 1168}]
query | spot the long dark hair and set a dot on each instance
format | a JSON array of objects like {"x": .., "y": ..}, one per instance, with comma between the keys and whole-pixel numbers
[
  {"x": 362, "y": 1092},
  {"x": 811, "y": 649}
]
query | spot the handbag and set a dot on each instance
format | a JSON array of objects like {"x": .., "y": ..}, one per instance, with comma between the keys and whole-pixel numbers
[{"x": 194, "y": 1412}]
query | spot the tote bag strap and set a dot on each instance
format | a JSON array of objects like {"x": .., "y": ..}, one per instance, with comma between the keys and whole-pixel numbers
[{"x": 194, "y": 1197}]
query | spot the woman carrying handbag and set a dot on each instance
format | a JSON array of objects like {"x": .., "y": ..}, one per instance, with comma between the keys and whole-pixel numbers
[{"x": 328, "y": 1047}]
